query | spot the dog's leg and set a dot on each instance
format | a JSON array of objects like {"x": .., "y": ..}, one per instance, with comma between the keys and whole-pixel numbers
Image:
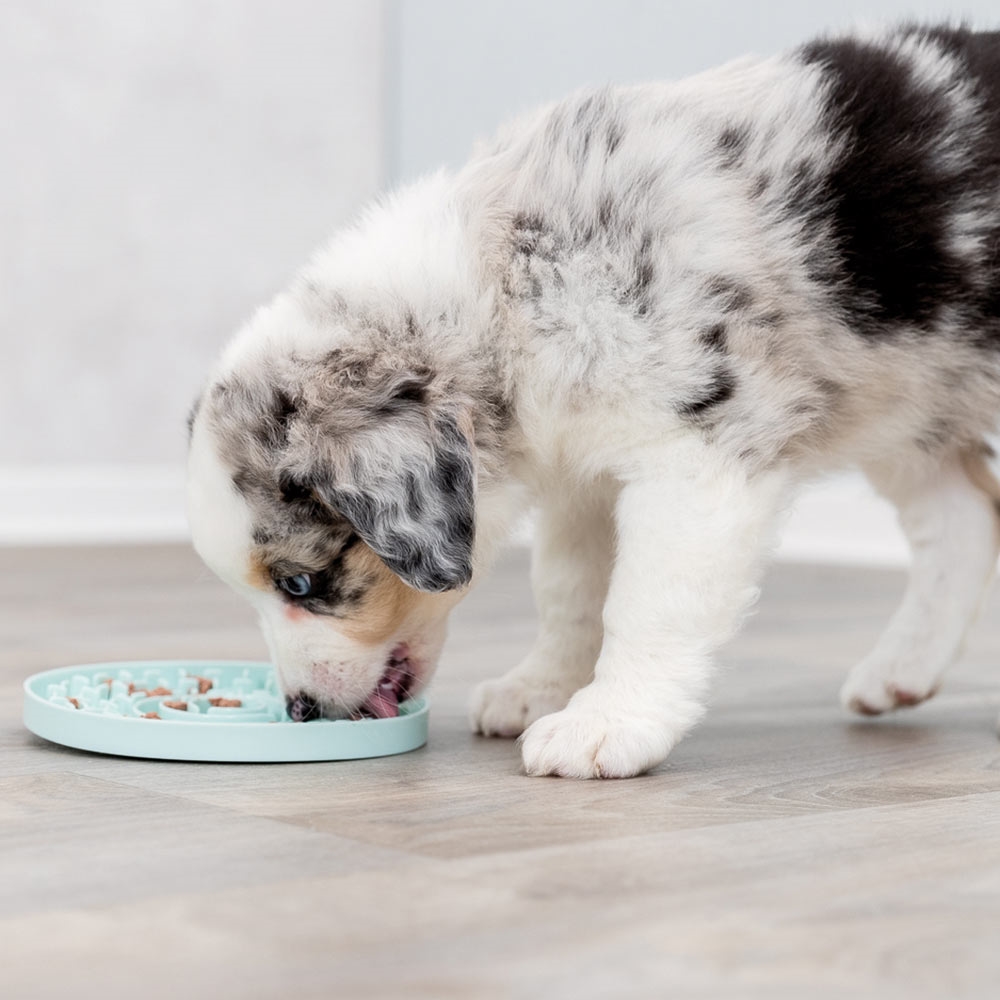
[
  {"x": 571, "y": 564},
  {"x": 949, "y": 516},
  {"x": 691, "y": 532}
]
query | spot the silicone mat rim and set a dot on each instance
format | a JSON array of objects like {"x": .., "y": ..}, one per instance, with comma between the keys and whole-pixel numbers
[{"x": 222, "y": 742}]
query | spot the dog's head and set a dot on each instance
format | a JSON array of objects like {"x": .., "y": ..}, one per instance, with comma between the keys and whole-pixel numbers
[{"x": 336, "y": 490}]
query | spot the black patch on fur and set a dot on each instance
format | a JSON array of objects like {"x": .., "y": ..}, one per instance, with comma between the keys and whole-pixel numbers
[
  {"x": 406, "y": 392},
  {"x": 497, "y": 412},
  {"x": 606, "y": 211},
  {"x": 583, "y": 126},
  {"x": 619, "y": 212},
  {"x": 270, "y": 426},
  {"x": 595, "y": 117},
  {"x": 643, "y": 272},
  {"x": 714, "y": 338},
  {"x": 304, "y": 505},
  {"x": 294, "y": 490},
  {"x": 731, "y": 295},
  {"x": 732, "y": 144},
  {"x": 411, "y": 391},
  {"x": 888, "y": 202},
  {"x": 760, "y": 185},
  {"x": 532, "y": 237},
  {"x": 264, "y": 431},
  {"x": 412, "y": 328},
  {"x": 614, "y": 136},
  {"x": 720, "y": 389},
  {"x": 285, "y": 407},
  {"x": 585, "y": 129},
  {"x": 414, "y": 496}
]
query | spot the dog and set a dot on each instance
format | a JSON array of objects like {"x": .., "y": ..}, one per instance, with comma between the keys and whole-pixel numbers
[{"x": 648, "y": 313}]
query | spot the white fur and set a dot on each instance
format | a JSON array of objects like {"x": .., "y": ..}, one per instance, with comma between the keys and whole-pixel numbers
[
  {"x": 951, "y": 525},
  {"x": 691, "y": 532}
]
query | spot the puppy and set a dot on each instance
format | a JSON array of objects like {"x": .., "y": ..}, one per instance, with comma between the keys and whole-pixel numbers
[{"x": 649, "y": 313}]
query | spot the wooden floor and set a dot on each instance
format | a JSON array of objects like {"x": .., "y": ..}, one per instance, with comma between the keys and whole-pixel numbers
[{"x": 785, "y": 850}]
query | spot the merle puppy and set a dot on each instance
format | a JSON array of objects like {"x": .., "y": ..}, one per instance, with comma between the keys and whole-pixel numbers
[{"x": 648, "y": 312}]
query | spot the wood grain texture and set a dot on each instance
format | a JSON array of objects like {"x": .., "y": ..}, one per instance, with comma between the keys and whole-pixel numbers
[{"x": 784, "y": 850}]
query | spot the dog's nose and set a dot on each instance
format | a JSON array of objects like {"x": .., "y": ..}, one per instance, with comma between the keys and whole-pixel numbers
[{"x": 302, "y": 707}]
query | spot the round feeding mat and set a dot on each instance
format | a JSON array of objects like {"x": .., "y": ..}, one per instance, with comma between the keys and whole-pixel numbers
[{"x": 212, "y": 710}]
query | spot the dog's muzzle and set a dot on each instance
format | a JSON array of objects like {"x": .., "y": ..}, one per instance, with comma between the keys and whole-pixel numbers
[{"x": 383, "y": 703}]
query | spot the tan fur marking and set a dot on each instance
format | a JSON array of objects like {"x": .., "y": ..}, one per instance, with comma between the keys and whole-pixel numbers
[
  {"x": 258, "y": 575},
  {"x": 387, "y": 603}
]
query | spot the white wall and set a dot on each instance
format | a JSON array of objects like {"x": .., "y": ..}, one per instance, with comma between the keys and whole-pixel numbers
[{"x": 165, "y": 165}]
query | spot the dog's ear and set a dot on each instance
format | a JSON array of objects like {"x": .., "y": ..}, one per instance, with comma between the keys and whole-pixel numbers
[
  {"x": 417, "y": 512},
  {"x": 393, "y": 459}
]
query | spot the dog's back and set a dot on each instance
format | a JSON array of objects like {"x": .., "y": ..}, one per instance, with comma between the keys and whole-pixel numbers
[{"x": 803, "y": 252}]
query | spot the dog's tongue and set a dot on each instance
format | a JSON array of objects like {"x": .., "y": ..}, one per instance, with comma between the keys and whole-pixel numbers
[{"x": 383, "y": 702}]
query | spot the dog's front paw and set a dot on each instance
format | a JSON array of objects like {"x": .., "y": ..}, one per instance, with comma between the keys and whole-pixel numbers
[
  {"x": 585, "y": 742},
  {"x": 508, "y": 705}
]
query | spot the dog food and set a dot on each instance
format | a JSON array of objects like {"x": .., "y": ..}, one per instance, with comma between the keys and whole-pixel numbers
[{"x": 159, "y": 691}]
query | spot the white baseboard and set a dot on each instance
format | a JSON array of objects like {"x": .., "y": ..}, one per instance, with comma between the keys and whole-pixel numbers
[
  {"x": 843, "y": 521},
  {"x": 840, "y": 521}
]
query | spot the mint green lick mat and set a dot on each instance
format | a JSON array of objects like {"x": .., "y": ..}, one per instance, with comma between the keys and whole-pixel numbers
[{"x": 211, "y": 710}]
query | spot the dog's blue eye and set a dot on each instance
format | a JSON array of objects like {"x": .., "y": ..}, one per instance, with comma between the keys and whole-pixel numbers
[{"x": 298, "y": 586}]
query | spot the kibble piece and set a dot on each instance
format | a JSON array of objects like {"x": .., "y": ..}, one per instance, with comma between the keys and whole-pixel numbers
[
  {"x": 150, "y": 715},
  {"x": 159, "y": 692},
  {"x": 204, "y": 684},
  {"x": 74, "y": 702},
  {"x": 225, "y": 702},
  {"x": 181, "y": 706}
]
